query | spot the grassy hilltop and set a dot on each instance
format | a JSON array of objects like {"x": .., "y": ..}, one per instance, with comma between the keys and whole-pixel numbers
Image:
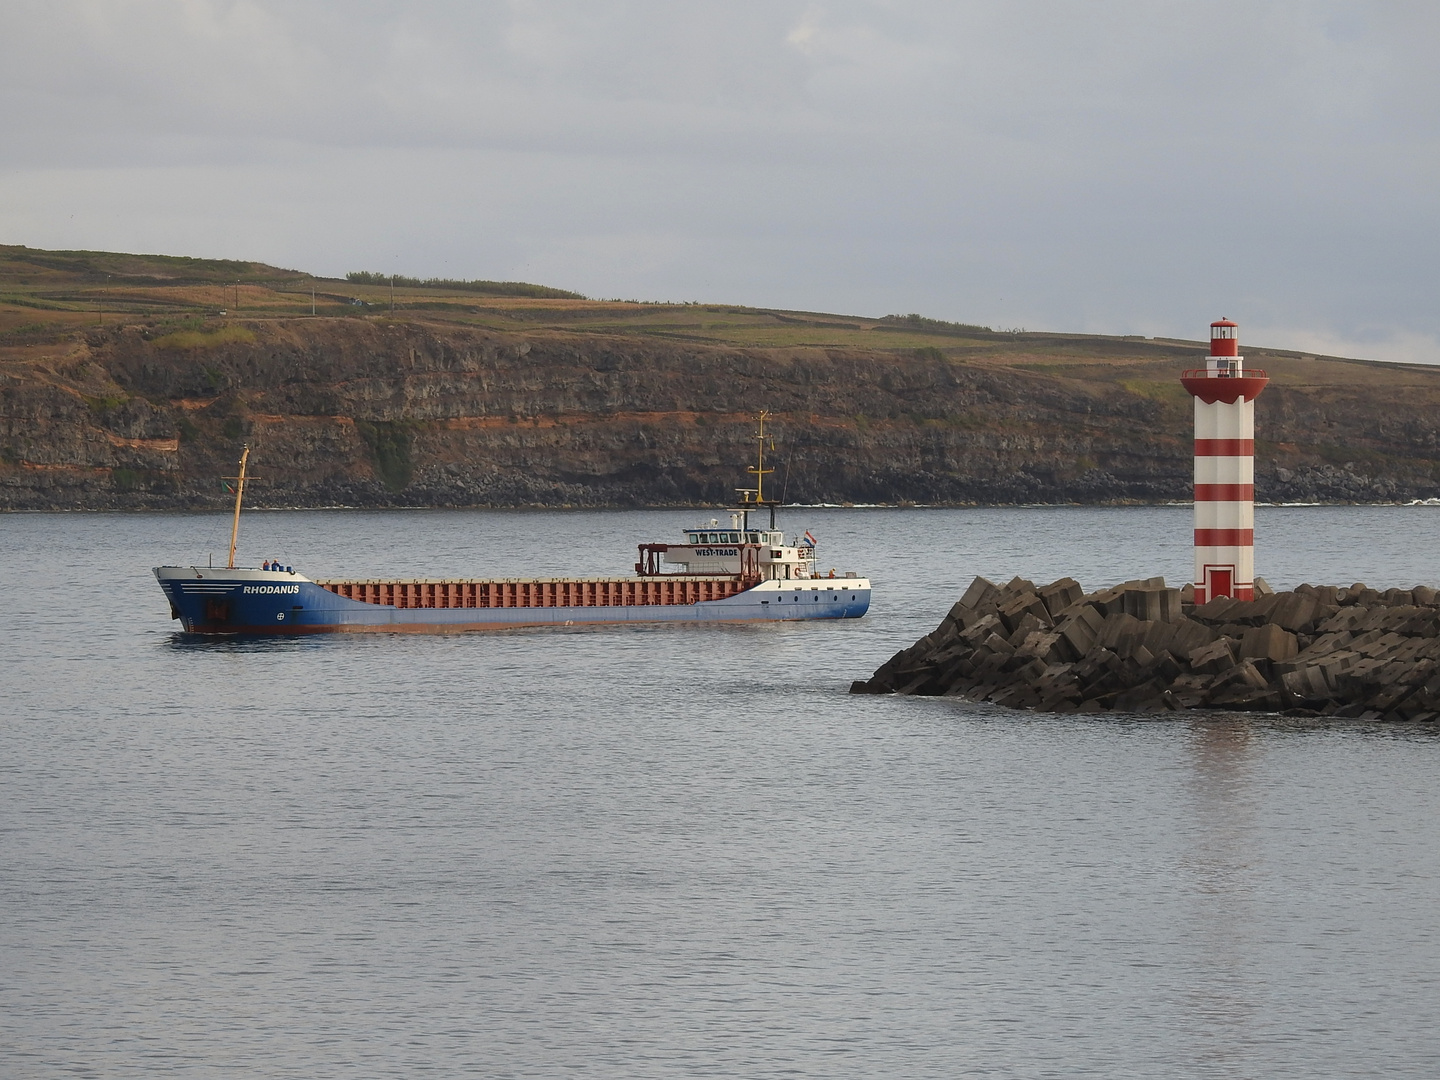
[{"x": 131, "y": 380}]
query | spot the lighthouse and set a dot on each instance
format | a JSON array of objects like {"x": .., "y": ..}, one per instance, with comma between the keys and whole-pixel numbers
[{"x": 1224, "y": 392}]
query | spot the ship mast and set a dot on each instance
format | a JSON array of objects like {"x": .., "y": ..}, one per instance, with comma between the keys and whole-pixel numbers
[
  {"x": 239, "y": 494},
  {"x": 759, "y": 467}
]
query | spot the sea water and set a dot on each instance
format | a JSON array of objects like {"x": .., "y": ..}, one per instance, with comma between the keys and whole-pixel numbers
[{"x": 684, "y": 850}]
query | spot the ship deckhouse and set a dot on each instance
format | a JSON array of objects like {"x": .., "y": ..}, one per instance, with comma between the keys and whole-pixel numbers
[
  {"x": 754, "y": 554},
  {"x": 763, "y": 553}
]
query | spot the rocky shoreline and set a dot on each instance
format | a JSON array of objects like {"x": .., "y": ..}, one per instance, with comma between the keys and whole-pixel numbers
[{"x": 1141, "y": 647}]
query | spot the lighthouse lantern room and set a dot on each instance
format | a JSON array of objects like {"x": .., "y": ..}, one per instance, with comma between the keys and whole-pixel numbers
[{"x": 1224, "y": 392}]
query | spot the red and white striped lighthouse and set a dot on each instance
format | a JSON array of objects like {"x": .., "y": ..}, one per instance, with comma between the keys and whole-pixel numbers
[{"x": 1225, "y": 394}]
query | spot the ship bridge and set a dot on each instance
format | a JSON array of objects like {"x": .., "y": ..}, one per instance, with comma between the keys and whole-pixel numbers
[
  {"x": 760, "y": 554},
  {"x": 752, "y": 554}
]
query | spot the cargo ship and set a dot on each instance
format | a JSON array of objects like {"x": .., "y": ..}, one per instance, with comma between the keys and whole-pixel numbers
[{"x": 731, "y": 571}]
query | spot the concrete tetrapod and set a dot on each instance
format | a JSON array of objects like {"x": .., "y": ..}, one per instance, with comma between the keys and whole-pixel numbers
[{"x": 1143, "y": 647}]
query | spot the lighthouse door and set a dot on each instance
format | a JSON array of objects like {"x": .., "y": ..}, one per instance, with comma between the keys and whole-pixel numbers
[{"x": 1222, "y": 582}]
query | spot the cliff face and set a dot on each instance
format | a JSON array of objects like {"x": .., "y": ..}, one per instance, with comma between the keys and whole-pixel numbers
[{"x": 375, "y": 413}]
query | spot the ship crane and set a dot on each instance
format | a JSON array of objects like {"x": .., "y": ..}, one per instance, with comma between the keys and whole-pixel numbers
[{"x": 239, "y": 496}]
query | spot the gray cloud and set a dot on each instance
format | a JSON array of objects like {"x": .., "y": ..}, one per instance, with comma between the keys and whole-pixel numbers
[{"x": 1126, "y": 166}]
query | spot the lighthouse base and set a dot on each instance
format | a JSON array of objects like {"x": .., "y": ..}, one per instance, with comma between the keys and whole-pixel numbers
[
  {"x": 1213, "y": 582},
  {"x": 1224, "y": 570}
]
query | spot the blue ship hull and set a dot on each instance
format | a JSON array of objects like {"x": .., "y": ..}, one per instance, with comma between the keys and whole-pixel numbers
[{"x": 242, "y": 601}]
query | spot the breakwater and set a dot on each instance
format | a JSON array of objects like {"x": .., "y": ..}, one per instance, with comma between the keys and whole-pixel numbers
[{"x": 1143, "y": 647}]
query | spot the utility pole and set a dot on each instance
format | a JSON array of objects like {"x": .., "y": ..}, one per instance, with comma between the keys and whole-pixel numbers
[
  {"x": 392, "y": 295},
  {"x": 312, "y": 298}
]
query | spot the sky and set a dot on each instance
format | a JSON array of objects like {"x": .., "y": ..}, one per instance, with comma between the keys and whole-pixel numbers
[{"x": 1108, "y": 166}]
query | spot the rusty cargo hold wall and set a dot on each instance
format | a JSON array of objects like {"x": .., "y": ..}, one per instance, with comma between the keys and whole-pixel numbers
[{"x": 619, "y": 592}]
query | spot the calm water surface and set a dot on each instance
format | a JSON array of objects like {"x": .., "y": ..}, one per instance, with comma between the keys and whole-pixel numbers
[{"x": 677, "y": 851}]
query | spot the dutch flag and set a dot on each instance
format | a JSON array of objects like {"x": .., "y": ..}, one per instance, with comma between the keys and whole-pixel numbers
[{"x": 810, "y": 538}]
